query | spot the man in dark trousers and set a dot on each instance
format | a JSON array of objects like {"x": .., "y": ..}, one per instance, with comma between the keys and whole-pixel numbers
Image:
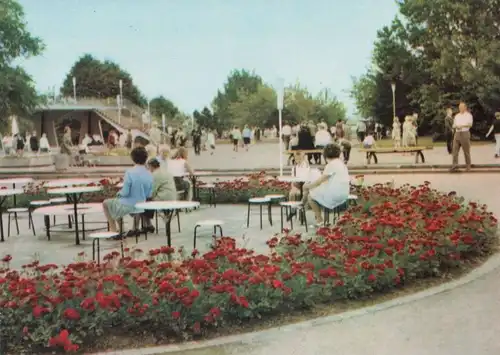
[{"x": 448, "y": 129}]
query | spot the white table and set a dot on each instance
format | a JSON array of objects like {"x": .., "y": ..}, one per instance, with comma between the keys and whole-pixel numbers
[
  {"x": 170, "y": 207},
  {"x": 68, "y": 183},
  {"x": 3, "y": 196},
  {"x": 14, "y": 182},
  {"x": 74, "y": 195}
]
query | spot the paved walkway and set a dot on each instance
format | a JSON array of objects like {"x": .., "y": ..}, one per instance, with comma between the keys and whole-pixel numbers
[
  {"x": 266, "y": 155},
  {"x": 462, "y": 321}
]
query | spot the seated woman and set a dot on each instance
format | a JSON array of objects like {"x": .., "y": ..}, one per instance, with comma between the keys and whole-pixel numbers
[
  {"x": 332, "y": 188},
  {"x": 137, "y": 187},
  {"x": 179, "y": 167},
  {"x": 163, "y": 190}
]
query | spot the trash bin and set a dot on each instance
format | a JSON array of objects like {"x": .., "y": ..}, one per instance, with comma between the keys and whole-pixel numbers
[{"x": 61, "y": 162}]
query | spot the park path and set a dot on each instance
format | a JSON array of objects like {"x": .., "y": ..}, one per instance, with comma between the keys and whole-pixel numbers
[{"x": 463, "y": 321}]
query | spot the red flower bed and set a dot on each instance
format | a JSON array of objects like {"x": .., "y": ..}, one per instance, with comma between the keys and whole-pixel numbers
[{"x": 392, "y": 237}]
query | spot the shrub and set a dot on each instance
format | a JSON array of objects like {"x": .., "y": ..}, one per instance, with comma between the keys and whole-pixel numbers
[{"x": 392, "y": 237}]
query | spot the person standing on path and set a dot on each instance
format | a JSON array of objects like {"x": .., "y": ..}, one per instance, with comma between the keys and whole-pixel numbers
[
  {"x": 286, "y": 131},
  {"x": 236, "y": 137},
  {"x": 495, "y": 128},
  {"x": 361, "y": 130},
  {"x": 448, "y": 129},
  {"x": 247, "y": 137},
  {"x": 461, "y": 139}
]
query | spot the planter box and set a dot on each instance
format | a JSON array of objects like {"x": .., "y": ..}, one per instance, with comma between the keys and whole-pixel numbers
[{"x": 27, "y": 162}]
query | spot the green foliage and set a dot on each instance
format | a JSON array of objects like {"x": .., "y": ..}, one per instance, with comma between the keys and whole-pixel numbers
[
  {"x": 17, "y": 93},
  {"x": 439, "y": 52},
  {"x": 257, "y": 106},
  {"x": 160, "y": 105},
  {"x": 206, "y": 118},
  {"x": 100, "y": 79}
]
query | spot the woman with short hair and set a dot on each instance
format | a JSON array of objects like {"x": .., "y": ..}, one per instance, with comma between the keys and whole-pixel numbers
[{"x": 332, "y": 188}]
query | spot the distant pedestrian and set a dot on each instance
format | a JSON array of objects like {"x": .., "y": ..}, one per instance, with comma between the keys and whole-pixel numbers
[
  {"x": 461, "y": 139},
  {"x": 495, "y": 128}
]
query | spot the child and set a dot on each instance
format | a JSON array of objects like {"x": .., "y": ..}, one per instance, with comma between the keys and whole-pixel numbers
[
  {"x": 211, "y": 141},
  {"x": 300, "y": 169},
  {"x": 369, "y": 141},
  {"x": 137, "y": 187}
]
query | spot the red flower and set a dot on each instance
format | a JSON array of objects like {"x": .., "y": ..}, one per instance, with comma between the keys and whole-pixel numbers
[
  {"x": 176, "y": 315},
  {"x": 7, "y": 258},
  {"x": 71, "y": 314}
]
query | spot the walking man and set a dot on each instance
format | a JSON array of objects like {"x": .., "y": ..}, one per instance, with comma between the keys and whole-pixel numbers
[
  {"x": 461, "y": 139},
  {"x": 286, "y": 131},
  {"x": 448, "y": 129}
]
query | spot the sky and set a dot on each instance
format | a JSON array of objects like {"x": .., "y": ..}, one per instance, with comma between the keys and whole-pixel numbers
[{"x": 185, "y": 49}]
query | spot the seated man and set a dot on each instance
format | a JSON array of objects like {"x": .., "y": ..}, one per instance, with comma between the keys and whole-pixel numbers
[
  {"x": 332, "y": 188},
  {"x": 163, "y": 190},
  {"x": 137, "y": 187}
]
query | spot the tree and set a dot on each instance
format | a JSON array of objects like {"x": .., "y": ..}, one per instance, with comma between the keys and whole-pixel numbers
[
  {"x": 100, "y": 79},
  {"x": 160, "y": 105},
  {"x": 17, "y": 93},
  {"x": 254, "y": 109},
  {"x": 238, "y": 81},
  {"x": 439, "y": 52},
  {"x": 206, "y": 119}
]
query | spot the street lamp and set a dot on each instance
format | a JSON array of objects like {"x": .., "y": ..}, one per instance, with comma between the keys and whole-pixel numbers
[
  {"x": 74, "y": 88},
  {"x": 393, "y": 87},
  {"x": 280, "y": 98},
  {"x": 120, "y": 101}
]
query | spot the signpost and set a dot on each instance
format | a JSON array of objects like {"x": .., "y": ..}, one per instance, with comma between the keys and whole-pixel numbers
[{"x": 280, "y": 96}]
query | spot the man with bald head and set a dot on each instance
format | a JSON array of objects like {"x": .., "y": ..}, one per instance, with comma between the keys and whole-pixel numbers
[{"x": 461, "y": 139}]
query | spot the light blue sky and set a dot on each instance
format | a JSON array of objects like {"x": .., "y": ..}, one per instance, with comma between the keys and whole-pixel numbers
[{"x": 184, "y": 49}]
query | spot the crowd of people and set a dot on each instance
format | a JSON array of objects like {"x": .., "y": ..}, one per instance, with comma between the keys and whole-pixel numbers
[
  {"x": 18, "y": 144},
  {"x": 309, "y": 136}
]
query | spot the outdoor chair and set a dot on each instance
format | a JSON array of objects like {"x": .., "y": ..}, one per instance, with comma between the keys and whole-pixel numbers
[{"x": 216, "y": 224}]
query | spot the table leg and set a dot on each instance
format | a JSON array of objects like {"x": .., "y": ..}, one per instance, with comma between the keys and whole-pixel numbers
[
  {"x": 168, "y": 219},
  {"x": 15, "y": 199},
  {"x": 75, "y": 210},
  {"x": 193, "y": 182},
  {"x": 301, "y": 189},
  {"x": 2, "y": 237}
]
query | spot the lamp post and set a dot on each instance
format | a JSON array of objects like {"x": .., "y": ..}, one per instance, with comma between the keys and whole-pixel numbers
[
  {"x": 74, "y": 88},
  {"x": 120, "y": 101},
  {"x": 280, "y": 98},
  {"x": 393, "y": 87}
]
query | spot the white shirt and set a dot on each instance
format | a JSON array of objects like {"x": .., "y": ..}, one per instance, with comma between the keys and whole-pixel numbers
[
  {"x": 361, "y": 127},
  {"x": 286, "y": 130},
  {"x": 211, "y": 138},
  {"x": 86, "y": 141},
  {"x": 322, "y": 138},
  {"x": 369, "y": 140},
  {"x": 176, "y": 167},
  {"x": 44, "y": 143},
  {"x": 462, "y": 119}
]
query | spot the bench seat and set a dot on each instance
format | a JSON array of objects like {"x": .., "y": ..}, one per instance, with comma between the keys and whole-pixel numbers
[{"x": 372, "y": 152}]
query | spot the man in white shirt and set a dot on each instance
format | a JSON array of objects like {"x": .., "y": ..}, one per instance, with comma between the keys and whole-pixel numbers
[
  {"x": 361, "y": 130},
  {"x": 462, "y": 124},
  {"x": 286, "y": 131}
]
